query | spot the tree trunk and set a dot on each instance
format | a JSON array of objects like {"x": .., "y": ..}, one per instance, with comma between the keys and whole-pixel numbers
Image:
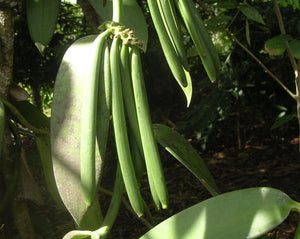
[
  {"x": 6, "y": 43},
  {"x": 91, "y": 15}
]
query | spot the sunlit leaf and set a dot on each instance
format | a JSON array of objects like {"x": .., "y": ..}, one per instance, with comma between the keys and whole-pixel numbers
[
  {"x": 246, "y": 213},
  {"x": 65, "y": 133}
]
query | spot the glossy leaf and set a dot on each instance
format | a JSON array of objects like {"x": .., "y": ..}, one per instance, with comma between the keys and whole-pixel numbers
[
  {"x": 246, "y": 213},
  {"x": 179, "y": 147},
  {"x": 65, "y": 132},
  {"x": 133, "y": 17}
]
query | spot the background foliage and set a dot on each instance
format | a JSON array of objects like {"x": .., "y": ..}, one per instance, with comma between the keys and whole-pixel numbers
[{"x": 237, "y": 111}]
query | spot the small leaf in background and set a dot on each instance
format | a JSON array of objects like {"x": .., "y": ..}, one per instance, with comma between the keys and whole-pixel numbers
[
  {"x": 293, "y": 3},
  {"x": 230, "y": 4},
  {"x": 29, "y": 115},
  {"x": 276, "y": 46},
  {"x": 247, "y": 213},
  {"x": 251, "y": 13},
  {"x": 295, "y": 48},
  {"x": 41, "y": 18},
  {"x": 18, "y": 93},
  {"x": 283, "y": 120},
  {"x": 248, "y": 32},
  {"x": 217, "y": 23}
]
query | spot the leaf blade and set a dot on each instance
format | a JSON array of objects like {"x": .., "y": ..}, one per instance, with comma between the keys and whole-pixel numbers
[
  {"x": 65, "y": 131},
  {"x": 174, "y": 143},
  {"x": 255, "y": 211}
]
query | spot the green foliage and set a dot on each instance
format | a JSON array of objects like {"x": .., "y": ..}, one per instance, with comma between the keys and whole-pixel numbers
[
  {"x": 276, "y": 46},
  {"x": 242, "y": 84},
  {"x": 35, "y": 72},
  {"x": 77, "y": 151},
  {"x": 293, "y": 3}
]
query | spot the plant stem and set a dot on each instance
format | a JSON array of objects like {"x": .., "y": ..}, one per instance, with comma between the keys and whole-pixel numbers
[
  {"x": 297, "y": 82},
  {"x": 294, "y": 96},
  {"x": 114, "y": 205},
  {"x": 282, "y": 30},
  {"x": 128, "y": 207},
  {"x": 117, "y": 11},
  {"x": 296, "y": 67}
]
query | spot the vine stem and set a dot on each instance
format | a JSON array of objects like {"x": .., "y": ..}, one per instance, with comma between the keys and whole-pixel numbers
[
  {"x": 266, "y": 69},
  {"x": 117, "y": 11},
  {"x": 283, "y": 31},
  {"x": 296, "y": 67}
]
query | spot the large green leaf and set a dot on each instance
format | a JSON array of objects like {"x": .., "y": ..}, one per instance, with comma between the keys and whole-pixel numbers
[
  {"x": 132, "y": 15},
  {"x": 246, "y": 213},
  {"x": 65, "y": 132},
  {"x": 179, "y": 147}
]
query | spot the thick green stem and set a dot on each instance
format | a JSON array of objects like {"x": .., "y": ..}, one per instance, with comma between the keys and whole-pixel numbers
[{"x": 117, "y": 11}]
